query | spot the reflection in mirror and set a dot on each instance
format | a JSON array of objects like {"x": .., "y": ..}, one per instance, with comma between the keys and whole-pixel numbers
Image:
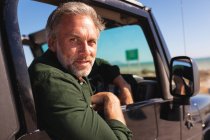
[{"x": 182, "y": 77}]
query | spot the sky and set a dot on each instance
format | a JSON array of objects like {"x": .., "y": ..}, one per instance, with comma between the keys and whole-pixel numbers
[
  {"x": 190, "y": 34},
  {"x": 196, "y": 20}
]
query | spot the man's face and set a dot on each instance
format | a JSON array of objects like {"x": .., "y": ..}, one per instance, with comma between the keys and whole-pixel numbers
[{"x": 76, "y": 43}]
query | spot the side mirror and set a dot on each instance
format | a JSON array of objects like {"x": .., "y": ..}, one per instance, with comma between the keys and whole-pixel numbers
[{"x": 184, "y": 77}]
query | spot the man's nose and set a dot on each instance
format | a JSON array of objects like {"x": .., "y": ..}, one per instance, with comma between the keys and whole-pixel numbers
[{"x": 84, "y": 48}]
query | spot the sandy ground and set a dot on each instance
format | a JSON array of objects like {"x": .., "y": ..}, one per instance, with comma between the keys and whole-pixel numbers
[{"x": 204, "y": 81}]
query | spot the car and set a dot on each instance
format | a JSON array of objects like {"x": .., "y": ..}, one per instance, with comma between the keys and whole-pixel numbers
[{"x": 133, "y": 41}]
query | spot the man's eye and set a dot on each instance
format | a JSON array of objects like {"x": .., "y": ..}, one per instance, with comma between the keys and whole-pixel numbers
[
  {"x": 92, "y": 42},
  {"x": 73, "y": 40}
]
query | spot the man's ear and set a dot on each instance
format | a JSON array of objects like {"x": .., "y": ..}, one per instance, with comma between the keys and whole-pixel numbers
[{"x": 52, "y": 44}]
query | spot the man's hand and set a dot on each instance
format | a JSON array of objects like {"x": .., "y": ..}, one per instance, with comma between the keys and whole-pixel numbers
[
  {"x": 125, "y": 95},
  {"x": 110, "y": 104}
]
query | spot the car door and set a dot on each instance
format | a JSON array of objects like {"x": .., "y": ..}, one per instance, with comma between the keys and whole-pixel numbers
[
  {"x": 18, "y": 115},
  {"x": 127, "y": 47}
]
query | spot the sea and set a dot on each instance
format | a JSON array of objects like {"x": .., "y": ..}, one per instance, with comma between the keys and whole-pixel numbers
[
  {"x": 137, "y": 68},
  {"x": 202, "y": 63}
]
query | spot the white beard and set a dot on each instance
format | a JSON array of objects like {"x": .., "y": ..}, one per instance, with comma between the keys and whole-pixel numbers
[{"x": 69, "y": 66}]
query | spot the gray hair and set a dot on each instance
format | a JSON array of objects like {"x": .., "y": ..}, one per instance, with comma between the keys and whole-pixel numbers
[{"x": 72, "y": 8}]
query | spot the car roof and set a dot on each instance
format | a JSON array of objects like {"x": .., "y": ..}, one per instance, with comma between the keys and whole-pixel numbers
[
  {"x": 111, "y": 18},
  {"x": 57, "y": 2}
]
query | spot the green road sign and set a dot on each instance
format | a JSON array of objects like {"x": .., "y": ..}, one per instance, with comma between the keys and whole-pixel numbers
[{"x": 132, "y": 54}]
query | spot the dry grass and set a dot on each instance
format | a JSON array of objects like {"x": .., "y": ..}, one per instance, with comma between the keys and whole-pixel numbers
[{"x": 204, "y": 81}]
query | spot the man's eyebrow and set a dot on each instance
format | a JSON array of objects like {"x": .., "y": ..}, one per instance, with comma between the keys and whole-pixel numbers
[
  {"x": 77, "y": 35},
  {"x": 71, "y": 34}
]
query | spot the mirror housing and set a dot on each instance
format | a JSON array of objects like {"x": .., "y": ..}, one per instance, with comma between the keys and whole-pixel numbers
[{"x": 184, "y": 77}]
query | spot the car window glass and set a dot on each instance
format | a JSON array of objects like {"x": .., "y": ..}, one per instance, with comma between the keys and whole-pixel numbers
[
  {"x": 44, "y": 47},
  {"x": 127, "y": 47},
  {"x": 28, "y": 54}
]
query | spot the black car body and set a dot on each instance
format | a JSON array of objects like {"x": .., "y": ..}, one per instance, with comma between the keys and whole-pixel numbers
[{"x": 156, "y": 114}]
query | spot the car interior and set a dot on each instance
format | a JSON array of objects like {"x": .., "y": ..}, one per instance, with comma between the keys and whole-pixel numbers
[{"x": 143, "y": 83}]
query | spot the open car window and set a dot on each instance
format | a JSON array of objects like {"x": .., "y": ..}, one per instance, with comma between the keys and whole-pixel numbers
[
  {"x": 127, "y": 47},
  {"x": 125, "y": 42}
]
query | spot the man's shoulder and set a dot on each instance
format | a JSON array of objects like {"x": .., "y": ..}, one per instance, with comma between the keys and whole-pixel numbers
[
  {"x": 43, "y": 71},
  {"x": 100, "y": 61},
  {"x": 47, "y": 65},
  {"x": 37, "y": 67}
]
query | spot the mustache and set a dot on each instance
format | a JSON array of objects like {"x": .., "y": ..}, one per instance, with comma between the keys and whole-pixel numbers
[{"x": 82, "y": 58}]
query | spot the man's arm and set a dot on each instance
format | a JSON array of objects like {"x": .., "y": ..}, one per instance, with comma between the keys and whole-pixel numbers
[
  {"x": 110, "y": 105},
  {"x": 111, "y": 74},
  {"x": 125, "y": 94},
  {"x": 66, "y": 114}
]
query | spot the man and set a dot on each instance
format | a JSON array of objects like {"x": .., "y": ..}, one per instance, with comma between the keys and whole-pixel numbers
[{"x": 64, "y": 101}]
